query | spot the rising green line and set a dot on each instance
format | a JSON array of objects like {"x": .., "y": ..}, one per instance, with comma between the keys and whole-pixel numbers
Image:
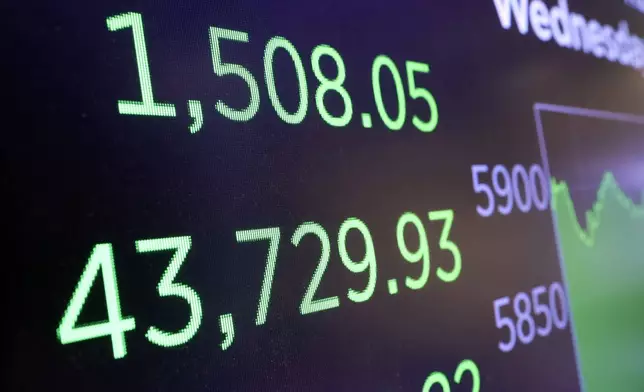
[{"x": 562, "y": 201}]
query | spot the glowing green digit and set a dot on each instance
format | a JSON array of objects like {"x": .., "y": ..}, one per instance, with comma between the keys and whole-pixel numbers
[
  {"x": 369, "y": 260},
  {"x": 221, "y": 69},
  {"x": 147, "y": 106},
  {"x": 327, "y": 84},
  {"x": 436, "y": 378},
  {"x": 101, "y": 258},
  {"x": 378, "y": 63},
  {"x": 417, "y": 92},
  {"x": 446, "y": 244},
  {"x": 272, "y": 234},
  {"x": 167, "y": 287},
  {"x": 309, "y": 305},
  {"x": 413, "y": 257},
  {"x": 470, "y": 366},
  {"x": 271, "y": 46}
]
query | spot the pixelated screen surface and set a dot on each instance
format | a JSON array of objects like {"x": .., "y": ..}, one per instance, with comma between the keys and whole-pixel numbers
[{"x": 326, "y": 196}]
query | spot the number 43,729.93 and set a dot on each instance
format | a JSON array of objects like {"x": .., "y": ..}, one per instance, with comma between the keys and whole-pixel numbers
[{"x": 408, "y": 225}]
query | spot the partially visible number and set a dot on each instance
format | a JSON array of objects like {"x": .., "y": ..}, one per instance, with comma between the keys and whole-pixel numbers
[
  {"x": 167, "y": 287},
  {"x": 438, "y": 378},
  {"x": 310, "y": 305},
  {"x": 102, "y": 258},
  {"x": 468, "y": 365}
]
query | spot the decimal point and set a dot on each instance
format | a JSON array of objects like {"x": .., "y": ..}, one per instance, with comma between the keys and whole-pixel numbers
[
  {"x": 366, "y": 120},
  {"x": 393, "y": 286}
]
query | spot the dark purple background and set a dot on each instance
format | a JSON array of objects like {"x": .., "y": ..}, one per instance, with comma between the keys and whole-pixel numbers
[{"x": 81, "y": 174}]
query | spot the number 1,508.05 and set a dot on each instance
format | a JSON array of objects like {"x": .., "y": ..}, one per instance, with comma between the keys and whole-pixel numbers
[{"x": 425, "y": 122}]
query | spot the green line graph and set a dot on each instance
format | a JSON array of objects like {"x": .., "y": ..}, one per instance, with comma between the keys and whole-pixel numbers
[
  {"x": 604, "y": 265},
  {"x": 562, "y": 198}
]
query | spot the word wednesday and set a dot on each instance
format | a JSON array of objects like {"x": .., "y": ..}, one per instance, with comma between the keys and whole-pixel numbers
[{"x": 573, "y": 31}]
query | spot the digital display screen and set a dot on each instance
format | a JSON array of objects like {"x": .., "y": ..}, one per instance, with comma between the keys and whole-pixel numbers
[{"x": 340, "y": 195}]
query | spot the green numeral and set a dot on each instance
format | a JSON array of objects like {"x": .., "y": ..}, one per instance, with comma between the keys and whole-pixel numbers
[
  {"x": 446, "y": 244},
  {"x": 147, "y": 106},
  {"x": 223, "y": 69},
  {"x": 436, "y": 378},
  {"x": 422, "y": 93},
  {"x": 421, "y": 254},
  {"x": 271, "y": 234},
  {"x": 384, "y": 61},
  {"x": 467, "y": 365},
  {"x": 327, "y": 84},
  {"x": 271, "y": 46},
  {"x": 101, "y": 258},
  {"x": 309, "y": 305},
  {"x": 368, "y": 263},
  {"x": 167, "y": 287}
]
